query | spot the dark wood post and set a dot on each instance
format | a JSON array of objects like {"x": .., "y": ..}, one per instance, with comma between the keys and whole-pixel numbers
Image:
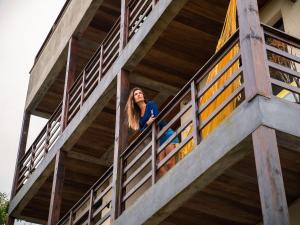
[
  {"x": 124, "y": 24},
  {"x": 69, "y": 79},
  {"x": 57, "y": 187},
  {"x": 255, "y": 69},
  {"x": 59, "y": 171},
  {"x": 195, "y": 114},
  {"x": 121, "y": 140},
  {"x": 270, "y": 181},
  {"x": 20, "y": 154}
]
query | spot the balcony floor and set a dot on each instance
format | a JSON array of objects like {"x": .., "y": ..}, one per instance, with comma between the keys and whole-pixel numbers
[{"x": 233, "y": 198}]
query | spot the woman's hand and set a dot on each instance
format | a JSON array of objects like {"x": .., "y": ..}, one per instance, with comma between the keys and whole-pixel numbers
[{"x": 150, "y": 121}]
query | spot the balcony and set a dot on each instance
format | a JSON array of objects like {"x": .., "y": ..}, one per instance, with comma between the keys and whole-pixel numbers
[
  {"x": 193, "y": 106},
  {"x": 233, "y": 184}
]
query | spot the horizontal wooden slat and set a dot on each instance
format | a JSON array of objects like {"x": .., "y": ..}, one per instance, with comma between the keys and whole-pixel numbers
[
  {"x": 283, "y": 53},
  {"x": 284, "y": 69},
  {"x": 176, "y": 133},
  {"x": 145, "y": 149},
  {"x": 174, "y": 119},
  {"x": 220, "y": 90},
  {"x": 137, "y": 186},
  {"x": 219, "y": 74},
  {"x": 221, "y": 106},
  {"x": 105, "y": 217},
  {"x": 285, "y": 86},
  {"x": 136, "y": 172},
  {"x": 174, "y": 151}
]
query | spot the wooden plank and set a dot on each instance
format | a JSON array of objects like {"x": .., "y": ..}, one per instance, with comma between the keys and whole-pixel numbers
[
  {"x": 195, "y": 115},
  {"x": 57, "y": 188},
  {"x": 124, "y": 24},
  {"x": 69, "y": 79},
  {"x": 21, "y": 149},
  {"x": 121, "y": 137},
  {"x": 20, "y": 154},
  {"x": 153, "y": 153},
  {"x": 255, "y": 69},
  {"x": 269, "y": 174}
]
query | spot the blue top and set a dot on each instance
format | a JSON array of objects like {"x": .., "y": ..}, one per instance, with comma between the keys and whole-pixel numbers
[{"x": 151, "y": 107}]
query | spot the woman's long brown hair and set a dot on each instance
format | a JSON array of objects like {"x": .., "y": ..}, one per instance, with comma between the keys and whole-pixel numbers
[{"x": 133, "y": 110}]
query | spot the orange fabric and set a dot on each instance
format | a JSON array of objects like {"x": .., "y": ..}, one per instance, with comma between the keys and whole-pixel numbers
[{"x": 229, "y": 28}]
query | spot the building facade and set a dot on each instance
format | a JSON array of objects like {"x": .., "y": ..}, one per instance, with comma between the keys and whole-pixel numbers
[{"x": 235, "y": 112}]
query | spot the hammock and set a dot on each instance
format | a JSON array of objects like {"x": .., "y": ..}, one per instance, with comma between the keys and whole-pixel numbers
[{"x": 229, "y": 28}]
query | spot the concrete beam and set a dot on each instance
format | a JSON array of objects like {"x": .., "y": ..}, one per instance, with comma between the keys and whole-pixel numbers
[
  {"x": 206, "y": 162},
  {"x": 281, "y": 115},
  {"x": 53, "y": 57}
]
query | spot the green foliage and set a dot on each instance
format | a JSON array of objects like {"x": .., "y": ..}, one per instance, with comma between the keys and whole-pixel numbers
[{"x": 3, "y": 207}]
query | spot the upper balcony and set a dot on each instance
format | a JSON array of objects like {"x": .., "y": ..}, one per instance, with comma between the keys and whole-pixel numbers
[{"x": 164, "y": 52}]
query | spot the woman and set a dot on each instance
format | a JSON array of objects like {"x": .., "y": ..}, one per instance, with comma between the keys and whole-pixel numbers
[{"x": 141, "y": 114}]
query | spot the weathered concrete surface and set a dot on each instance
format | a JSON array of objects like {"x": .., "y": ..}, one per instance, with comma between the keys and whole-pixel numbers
[
  {"x": 281, "y": 115},
  {"x": 53, "y": 56},
  {"x": 288, "y": 10}
]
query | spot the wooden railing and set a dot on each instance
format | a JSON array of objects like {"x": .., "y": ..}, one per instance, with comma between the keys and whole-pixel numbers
[
  {"x": 40, "y": 147},
  {"x": 94, "y": 71},
  {"x": 94, "y": 206},
  {"x": 147, "y": 159},
  {"x": 283, "y": 54},
  {"x": 138, "y": 11}
]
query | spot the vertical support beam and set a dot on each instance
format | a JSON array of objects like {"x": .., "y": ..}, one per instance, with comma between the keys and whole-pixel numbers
[
  {"x": 195, "y": 114},
  {"x": 69, "y": 79},
  {"x": 154, "y": 146},
  {"x": 256, "y": 72},
  {"x": 121, "y": 140},
  {"x": 20, "y": 154},
  {"x": 57, "y": 187},
  {"x": 124, "y": 24},
  {"x": 91, "y": 211},
  {"x": 269, "y": 174}
]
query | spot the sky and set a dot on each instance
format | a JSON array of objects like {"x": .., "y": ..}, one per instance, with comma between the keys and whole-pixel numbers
[{"x": 24, "y": 26}]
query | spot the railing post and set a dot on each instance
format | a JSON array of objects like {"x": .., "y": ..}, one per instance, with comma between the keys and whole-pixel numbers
[
  {"x": 47, "y": 140},
  {"x": 69, "y": 80},
  {"x": 82, "y": 88},
  {"x": 90, "y": 216},
  {"x": 257, "y": 82},
  {"x": 57, "y": 187},
  {"x": 32, "y": 159},
  {"x": 100, "y": 62},
  {"x": 121, "y": 140},
  {"x": 195, "y": 114},
  {"x": 71, "y": 218},
  {"x": 255, "y": 70},
  {"x": 154, "y": 145},
  {"x": 124, "y": 24},
  {"x": 20, "y": 154},
  {"x": 269, "y": 175}
]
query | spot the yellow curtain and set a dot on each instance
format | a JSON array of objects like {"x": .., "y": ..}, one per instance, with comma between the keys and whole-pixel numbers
[{"x": 230, "y": 26}]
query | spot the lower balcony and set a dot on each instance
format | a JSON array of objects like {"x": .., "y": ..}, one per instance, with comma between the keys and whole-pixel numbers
[{"x": 210, "y": 176}]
